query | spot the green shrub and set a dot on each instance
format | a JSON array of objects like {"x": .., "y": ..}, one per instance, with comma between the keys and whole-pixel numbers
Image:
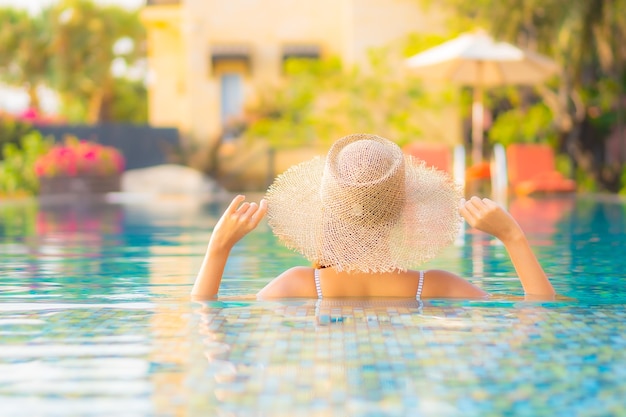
[
  {"x": 12, "y": 131},
  {"x": 17, "y": 170},
  {"x": 585, "y": 181},
  {"x": 531, "y": 125},
  {"x": 563, "y": 164}
]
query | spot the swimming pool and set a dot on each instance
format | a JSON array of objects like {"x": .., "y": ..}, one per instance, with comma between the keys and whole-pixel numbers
[{"x": 95, "y": 320}]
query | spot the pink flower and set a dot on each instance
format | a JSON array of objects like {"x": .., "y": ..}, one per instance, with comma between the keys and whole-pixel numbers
[{"x": 77, "y": 158}]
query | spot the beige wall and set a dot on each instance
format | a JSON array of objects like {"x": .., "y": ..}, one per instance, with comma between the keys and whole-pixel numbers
[{"x": 185, "y": 91}]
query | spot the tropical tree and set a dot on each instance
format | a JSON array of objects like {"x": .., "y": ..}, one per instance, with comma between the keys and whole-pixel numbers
[
  {"x": 588, "y": 39},
  {"x": 71, "y": 47},
  {"x": 25, "y": 53},
  {"x": 86, "y": 41}
]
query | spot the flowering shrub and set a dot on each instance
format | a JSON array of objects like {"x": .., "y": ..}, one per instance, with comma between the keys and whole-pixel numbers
[{"x": 77, "y": 158}]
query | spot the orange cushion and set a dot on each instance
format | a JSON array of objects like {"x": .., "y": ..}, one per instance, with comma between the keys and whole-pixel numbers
[
  {"x": 435, "y": 155},
  {"x": 479, "y": 171},
  {"x": 525, "y": 161},
  {"x": 531, "y": 168}
]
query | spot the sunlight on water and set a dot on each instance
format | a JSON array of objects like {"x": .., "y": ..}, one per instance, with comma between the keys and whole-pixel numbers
[{"x": 95, "y": 320}]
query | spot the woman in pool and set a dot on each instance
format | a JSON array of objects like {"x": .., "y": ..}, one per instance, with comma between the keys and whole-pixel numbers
[{"x": 364, "y": 216}]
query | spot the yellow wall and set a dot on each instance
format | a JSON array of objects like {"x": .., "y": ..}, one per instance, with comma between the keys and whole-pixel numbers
[
  {"x": 165, "y": 56},
  {"x": 185, "y": 89}
]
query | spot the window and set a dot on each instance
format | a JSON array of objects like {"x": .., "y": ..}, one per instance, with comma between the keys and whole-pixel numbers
[
  {"x": 230, "y": 54},
  {"x": 301, "y": 51},
  {"x": 231, "y": 103}
]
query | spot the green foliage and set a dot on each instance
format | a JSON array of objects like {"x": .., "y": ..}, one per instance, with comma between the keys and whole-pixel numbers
[
  {"x": 416, "y": 43},
  {"x": 286, "y": 116},
  {"x": 563, "y": 164},
  {"x": 17, "y": 170},
  {"x": 602, "y": 112},
  {"x": 84, "y": 38},
  {"x": 520, "y": 125},
  {"x": 585, "y": 181},
  {"x": 25, "y": 50},
  {"x": 130, "y": 101},
  {"x": 12, "y": 131},
  {"x": 70, "y": 47},
  {"x": 322, "y": 100}
]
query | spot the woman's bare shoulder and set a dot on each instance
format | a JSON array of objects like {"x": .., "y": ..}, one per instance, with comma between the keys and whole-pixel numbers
[
  {"x": 445, "y": 284},
  {"x": 294, "y": 282}
]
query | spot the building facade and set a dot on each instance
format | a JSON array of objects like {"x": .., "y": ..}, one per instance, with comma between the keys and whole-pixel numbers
[{"x": 207, "y": 58}]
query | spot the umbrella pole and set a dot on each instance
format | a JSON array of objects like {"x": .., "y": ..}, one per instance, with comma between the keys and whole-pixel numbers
[{"x": 477, "y": 117}]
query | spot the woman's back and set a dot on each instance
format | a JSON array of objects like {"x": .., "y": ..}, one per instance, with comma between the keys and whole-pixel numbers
[{"x": 330, "y": 283}]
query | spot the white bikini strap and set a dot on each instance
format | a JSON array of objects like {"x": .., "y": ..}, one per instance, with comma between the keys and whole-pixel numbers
[
  {"x": 318, "y": 287},
  {"x": 418, "y": 294}
]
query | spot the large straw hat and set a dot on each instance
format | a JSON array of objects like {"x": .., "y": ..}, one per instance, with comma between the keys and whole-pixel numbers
[{"x": 365, "y": 207}]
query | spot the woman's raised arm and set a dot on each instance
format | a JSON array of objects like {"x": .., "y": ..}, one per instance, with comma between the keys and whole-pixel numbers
[
  {"x": 489, "y": 217},
  {"x": 237, "y": 221}
]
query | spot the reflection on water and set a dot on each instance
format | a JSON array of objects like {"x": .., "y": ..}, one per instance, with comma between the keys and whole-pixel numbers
[
  {"x": 399, "y": 359},
  {"x": 542, "y": 217},
  {"x": 95, "y": 320},
  {"x": 69, "y": 251}
]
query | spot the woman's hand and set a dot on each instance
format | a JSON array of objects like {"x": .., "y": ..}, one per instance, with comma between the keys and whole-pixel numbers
[
  {"x": 237, "y": 221},
  {"x": 489, "y": 217}
]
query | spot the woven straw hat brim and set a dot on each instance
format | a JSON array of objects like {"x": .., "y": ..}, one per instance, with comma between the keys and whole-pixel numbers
[
  {"x": 428, "y": 223},
  {"x": 294, "y": 205}
]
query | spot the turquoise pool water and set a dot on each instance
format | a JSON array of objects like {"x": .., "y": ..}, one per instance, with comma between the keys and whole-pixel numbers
[{"x": 95, "y": 320}]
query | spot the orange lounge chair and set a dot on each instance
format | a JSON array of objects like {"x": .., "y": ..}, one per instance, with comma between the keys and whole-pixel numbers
[
  {"x": 435, "y": 155},
  {"x": 440, "y": 156},
  {"x": 531, "y": 169}
]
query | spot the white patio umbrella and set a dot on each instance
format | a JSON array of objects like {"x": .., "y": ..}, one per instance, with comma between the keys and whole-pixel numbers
[{"x": 475, "y": 59}]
